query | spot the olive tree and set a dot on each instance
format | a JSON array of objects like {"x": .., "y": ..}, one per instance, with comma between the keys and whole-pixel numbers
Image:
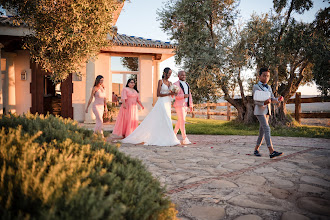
[{"x": 66, "y": 33}]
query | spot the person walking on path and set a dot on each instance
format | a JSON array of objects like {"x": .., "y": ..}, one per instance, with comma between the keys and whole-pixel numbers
[
  {"x": 128, "y": 119},
  {"x": 262, "y": 110},
  {"x": 99, "y": 104},
  {"x": 114, "y": 99},
  {"x": 156, "y": 128},
  {"x": 183, "y": 103}
]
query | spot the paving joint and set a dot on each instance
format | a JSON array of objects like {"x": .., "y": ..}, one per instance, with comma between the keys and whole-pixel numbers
[{"x": 237, "y": 172}]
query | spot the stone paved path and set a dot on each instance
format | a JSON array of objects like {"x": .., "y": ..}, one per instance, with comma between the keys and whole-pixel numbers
[{"x": 217, "y": 177}]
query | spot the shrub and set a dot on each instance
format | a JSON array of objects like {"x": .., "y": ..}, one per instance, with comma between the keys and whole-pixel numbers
[
  {"x": 52, "y": 127},
  {"x": 52, "y": 169},
  {"x": 113, "y": 110}
]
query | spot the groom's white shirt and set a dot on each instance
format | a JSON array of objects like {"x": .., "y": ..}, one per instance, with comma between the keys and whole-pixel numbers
[{"x": 185, "y": 87}]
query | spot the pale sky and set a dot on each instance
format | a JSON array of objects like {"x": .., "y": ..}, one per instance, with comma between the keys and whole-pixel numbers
[{"x": 139, "y": 18}]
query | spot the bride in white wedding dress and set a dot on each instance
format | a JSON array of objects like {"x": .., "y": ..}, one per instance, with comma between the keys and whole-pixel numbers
[{"x": 157, "y": 128}]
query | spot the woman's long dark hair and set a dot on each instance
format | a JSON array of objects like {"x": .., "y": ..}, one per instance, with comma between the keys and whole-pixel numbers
[
  {"x": 135, "y": 87},
  {"x": 97, "y": 80},
  {"x": 166, "y": 70}
]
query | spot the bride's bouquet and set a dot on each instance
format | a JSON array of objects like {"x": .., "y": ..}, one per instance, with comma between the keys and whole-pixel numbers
[{"x": 174, "y": 88}]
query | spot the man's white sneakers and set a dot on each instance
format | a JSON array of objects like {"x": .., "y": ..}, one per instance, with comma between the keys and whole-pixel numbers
[{"x": 186, "y": 141}]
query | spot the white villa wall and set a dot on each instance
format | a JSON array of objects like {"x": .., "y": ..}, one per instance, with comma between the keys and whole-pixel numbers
[
  {"x": 145, "y": 84},
  {"x": 78, "y": 96},
  {"x": 15, "y": 31},
  {"x": 102, "y": 67},
  {"x": 109, "y": 79},
  {"x": 81, "y": 94},
  {"x": 22, "y": 87}
]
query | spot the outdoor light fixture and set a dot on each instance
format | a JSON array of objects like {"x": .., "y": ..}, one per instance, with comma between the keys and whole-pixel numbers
[{"x": 23, "y": 75}]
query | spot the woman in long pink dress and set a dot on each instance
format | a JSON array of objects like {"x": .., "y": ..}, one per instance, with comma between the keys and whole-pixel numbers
[
  {"x": 99, "y": 104},
  {"x": 127, "y": 119}
]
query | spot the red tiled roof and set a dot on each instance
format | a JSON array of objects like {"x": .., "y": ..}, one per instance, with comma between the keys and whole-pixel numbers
[
  {"x": 133, "y": 41},
  {"x": 10, "y": 21},
  {"x": 118, "y": 40}
]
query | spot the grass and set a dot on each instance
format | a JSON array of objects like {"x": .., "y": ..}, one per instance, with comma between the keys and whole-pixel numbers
[{"x": 221, "y": 127}]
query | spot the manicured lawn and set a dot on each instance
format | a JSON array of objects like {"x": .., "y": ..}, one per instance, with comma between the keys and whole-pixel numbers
[{"x": 220, "y": 127}]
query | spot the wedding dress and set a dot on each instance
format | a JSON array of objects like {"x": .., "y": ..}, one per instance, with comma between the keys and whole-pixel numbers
[{"x": 156, "y": 128}]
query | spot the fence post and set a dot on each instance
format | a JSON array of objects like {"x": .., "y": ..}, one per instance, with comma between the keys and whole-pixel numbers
[
  {"x": 297, "y": 109},
  {"x": 228, "y": 111},
  {"x": 208, "y": 111},
  {"x": 193, "y": 114}
]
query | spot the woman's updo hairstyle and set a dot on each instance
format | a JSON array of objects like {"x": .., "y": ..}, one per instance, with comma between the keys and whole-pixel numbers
[{"x": 165, "y": 72}]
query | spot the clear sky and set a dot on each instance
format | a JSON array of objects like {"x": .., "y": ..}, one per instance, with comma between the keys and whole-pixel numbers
[{"x": 139, "y": 18}]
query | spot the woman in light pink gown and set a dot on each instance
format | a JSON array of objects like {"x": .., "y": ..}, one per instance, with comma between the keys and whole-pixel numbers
[
  {"x": 127, "y": 119},
  {"x": 99, "y": 104}
]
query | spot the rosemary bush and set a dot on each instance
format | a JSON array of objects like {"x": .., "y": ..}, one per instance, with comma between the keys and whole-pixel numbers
[{"x": 52, "y": 169}]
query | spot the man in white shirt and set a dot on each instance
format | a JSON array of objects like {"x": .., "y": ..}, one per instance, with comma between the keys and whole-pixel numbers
[
  {"x": 183, "y": 102},
  {"x": 262, "y": 110}
]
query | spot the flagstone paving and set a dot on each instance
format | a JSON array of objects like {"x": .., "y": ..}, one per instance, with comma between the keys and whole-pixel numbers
[{"x": 218, "y": 177}]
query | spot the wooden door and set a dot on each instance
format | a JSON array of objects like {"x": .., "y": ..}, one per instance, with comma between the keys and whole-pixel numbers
[
  {"x": 37, "y": 88},
  {"x": 66, "y": 98}
]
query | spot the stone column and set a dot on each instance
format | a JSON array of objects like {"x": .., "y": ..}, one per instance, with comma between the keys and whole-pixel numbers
[
  {"x": 146, "y": 84},
  {"x": 156, "y": 76},
  {"x": 110, "y": 89},
  {"x": 90, "y": 78},
  {"x": 1, "y": 96},
  {"x": 10, "y": 103},
  {"x": 124, "y": 79}
]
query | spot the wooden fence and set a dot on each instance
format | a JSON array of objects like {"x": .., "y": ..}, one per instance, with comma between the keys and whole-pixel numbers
[
  {"x": 297, "y": 115},
  {"x": 208, "y": 112}
]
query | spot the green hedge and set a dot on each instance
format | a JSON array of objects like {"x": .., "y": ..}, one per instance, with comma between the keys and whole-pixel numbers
[{"x": 52, "y": 169}]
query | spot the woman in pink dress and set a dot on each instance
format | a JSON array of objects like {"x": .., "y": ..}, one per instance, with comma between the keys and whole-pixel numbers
[
  {"x": 99, "y": 104},
  {"x": 127, "y": 119}
]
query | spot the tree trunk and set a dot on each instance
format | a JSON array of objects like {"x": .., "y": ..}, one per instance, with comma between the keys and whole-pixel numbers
[
  {"x": 244, "y": 111},
  {"x": 278, "y": 117},
  {"x": 249, "y": 111},
  {"x": 244, "y": 106}
]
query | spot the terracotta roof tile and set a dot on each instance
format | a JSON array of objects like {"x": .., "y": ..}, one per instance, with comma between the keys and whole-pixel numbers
[
  {"x": 10, "y": 21},
  {"x": 133, "y": 41},
  {"x": 119, "y": 39}
]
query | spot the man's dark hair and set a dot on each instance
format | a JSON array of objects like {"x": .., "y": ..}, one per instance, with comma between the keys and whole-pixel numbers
[{"x": 263, "y": 69}]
